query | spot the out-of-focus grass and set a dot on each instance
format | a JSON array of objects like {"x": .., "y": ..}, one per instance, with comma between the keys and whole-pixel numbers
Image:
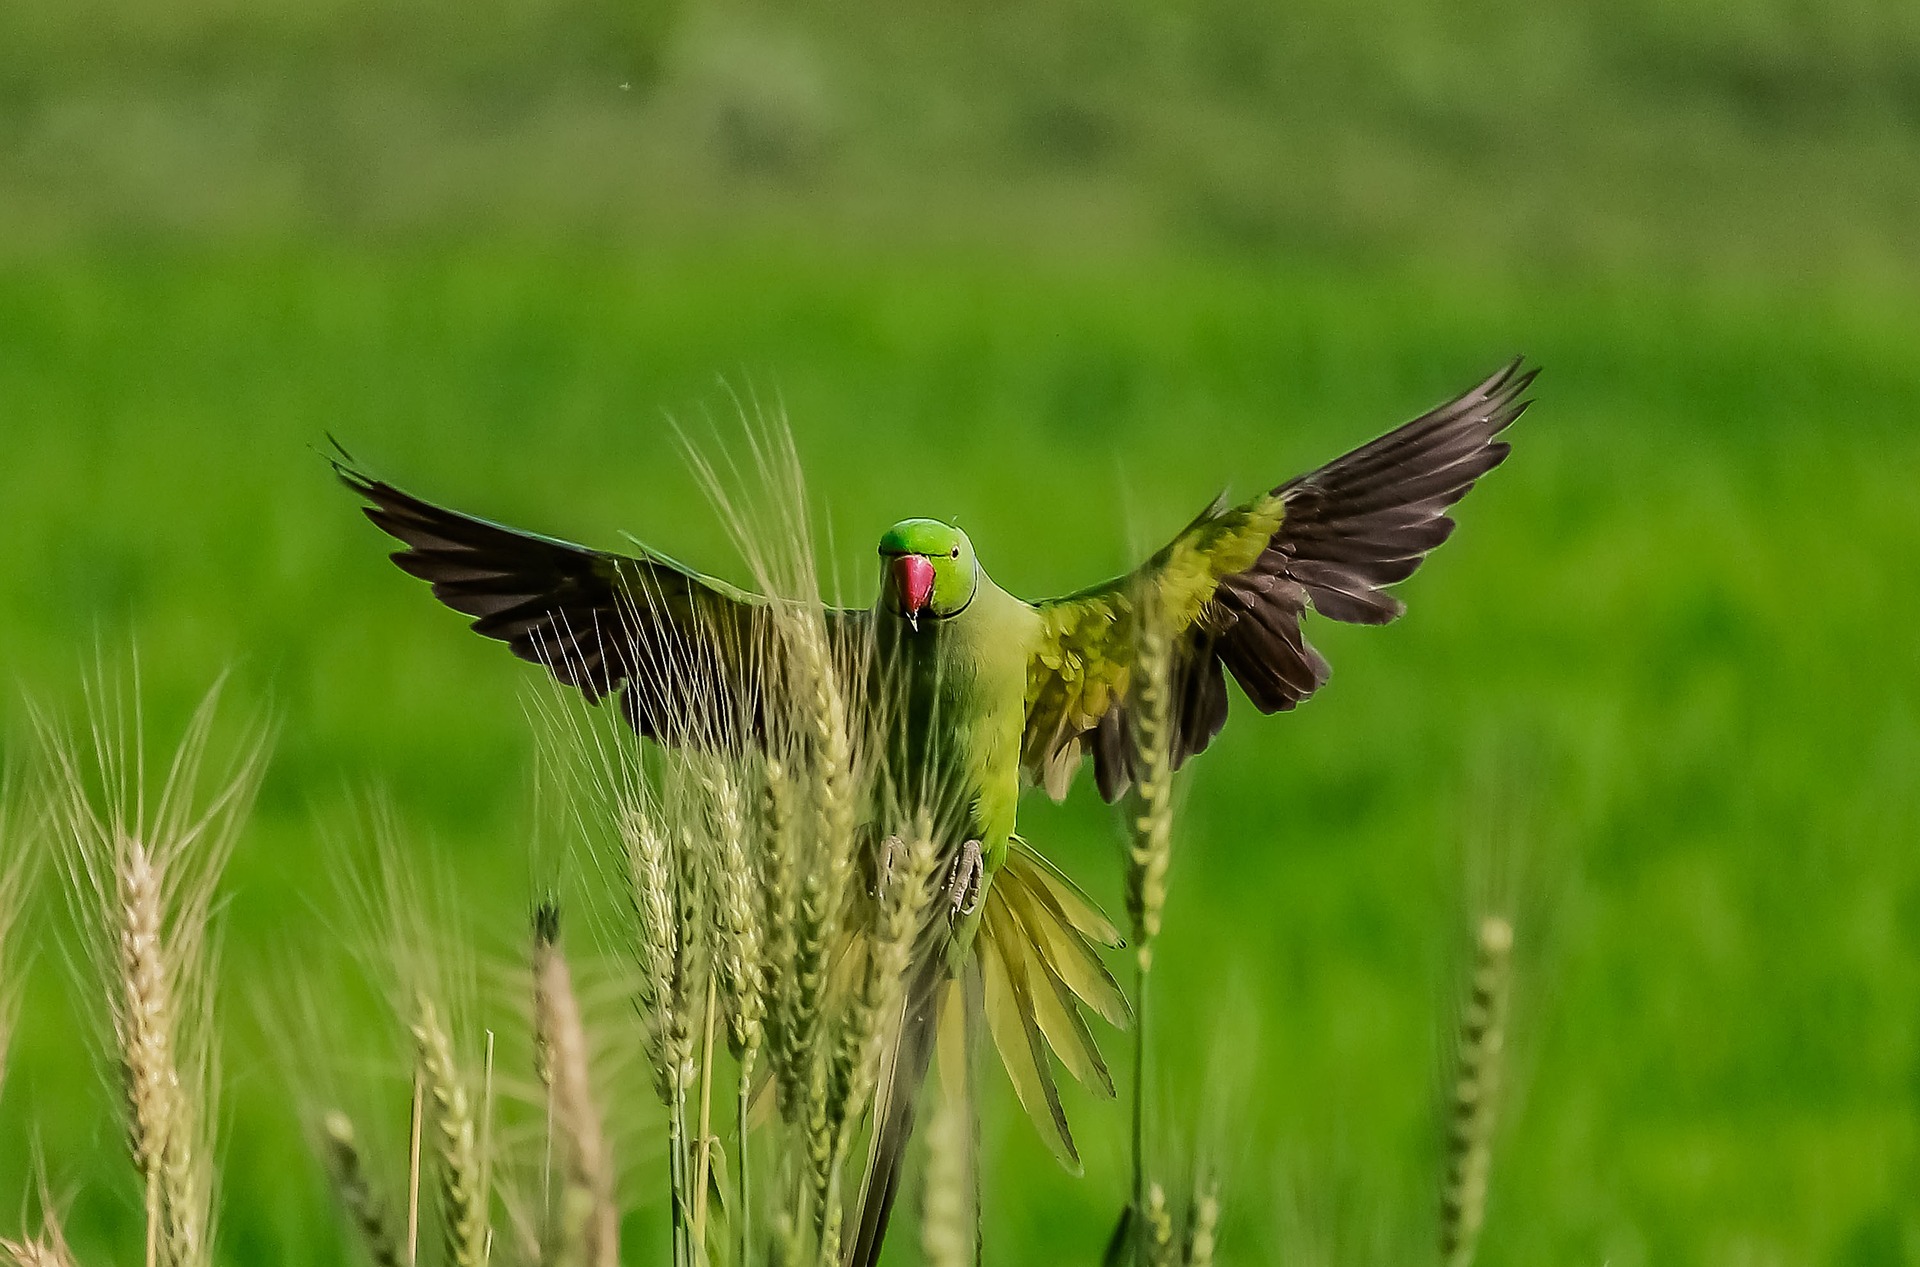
[
  {"x": 1774, "y": 135},
  {"x": 1665, "y": 670}
]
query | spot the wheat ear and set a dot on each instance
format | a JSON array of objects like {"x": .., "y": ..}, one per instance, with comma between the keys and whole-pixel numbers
[
  {"x": 160, "y": 1111},
  {"x": 1476, "y": 1089},
  {"x": 656, "y": 927},
  {"x": 589, "y": 1222},
  {"x": 882, "y": 990},
  {"x": 946, "y": 1232},
  {"x": 823, "y": 894},
  {"x": 779, "y": 884},
  {"x": 1150, "y": 717},
  {"x": 1203, "y": 1222},
  {"x": 346, "y": 1167},
  {"x": 48, "y": 1248},
  {"x": 737, "y": 957},
  {"x": 38, "y": 1252},
  {"x": 739, "y": 952},
  {"x": 1149, "y": 851},
  {"x": 463, "y": 1195}
]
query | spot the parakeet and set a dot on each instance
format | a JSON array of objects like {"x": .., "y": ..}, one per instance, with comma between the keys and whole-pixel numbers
[{"x": 996, "y": 693}]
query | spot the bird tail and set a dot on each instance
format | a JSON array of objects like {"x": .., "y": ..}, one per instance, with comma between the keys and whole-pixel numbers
[
  {"x": 932, "y": 996},
  {"x": 1035, "y": 966},
  {"x": 1039, "y": 965}
]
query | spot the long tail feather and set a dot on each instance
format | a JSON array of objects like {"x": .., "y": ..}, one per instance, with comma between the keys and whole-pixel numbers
[
  {"x": 1036, "y": 963},
  {"x": 1016, "y": 1032},
  {"x": 1058, "y": 941},
  {"x": 896, "y": 1106},
  {"x": 1055, "y": 1010}
]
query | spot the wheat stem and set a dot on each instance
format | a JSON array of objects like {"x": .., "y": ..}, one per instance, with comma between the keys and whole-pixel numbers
[
  {"x": 743, "y": 1208},
  {"x": 704, "y": 1158},
  {"x": 416, "y": 1125},
  {"x": 486, "y": 1139}
]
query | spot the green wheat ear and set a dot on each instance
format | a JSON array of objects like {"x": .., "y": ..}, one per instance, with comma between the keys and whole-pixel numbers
[{"x": 1473, "y": 1112}]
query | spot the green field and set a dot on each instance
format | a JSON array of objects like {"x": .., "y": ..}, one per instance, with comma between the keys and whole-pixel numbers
[
  {"x": 1059, "y": 272},
  {"x": 1662, "y": 681}
]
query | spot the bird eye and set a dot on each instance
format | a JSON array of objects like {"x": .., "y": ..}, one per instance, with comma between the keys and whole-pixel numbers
[{"x": 956, "y": 552}]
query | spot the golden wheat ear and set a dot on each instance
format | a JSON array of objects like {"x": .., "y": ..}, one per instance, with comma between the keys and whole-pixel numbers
[{"x": 145, "y": 844}]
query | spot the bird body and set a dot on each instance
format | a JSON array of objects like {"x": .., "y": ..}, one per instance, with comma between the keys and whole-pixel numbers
[
  {"x": 987, "y": 693},
  {"x": 957, "y": 668}
]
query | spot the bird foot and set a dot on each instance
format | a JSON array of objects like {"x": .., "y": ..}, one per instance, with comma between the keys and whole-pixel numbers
[{"x": 969, "y": 872}]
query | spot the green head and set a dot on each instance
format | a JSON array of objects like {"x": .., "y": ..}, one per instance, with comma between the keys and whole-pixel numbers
[{"x": 930, "y": 570}]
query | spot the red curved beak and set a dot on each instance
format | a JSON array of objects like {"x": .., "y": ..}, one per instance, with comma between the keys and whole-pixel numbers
[{"x": 913, "y": 582}]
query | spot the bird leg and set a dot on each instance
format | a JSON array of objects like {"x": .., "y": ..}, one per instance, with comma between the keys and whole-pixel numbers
[{"x": 969, "y": 871}]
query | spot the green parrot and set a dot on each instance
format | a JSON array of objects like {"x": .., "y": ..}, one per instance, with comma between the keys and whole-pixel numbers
[{"x": 996, "y": 693}]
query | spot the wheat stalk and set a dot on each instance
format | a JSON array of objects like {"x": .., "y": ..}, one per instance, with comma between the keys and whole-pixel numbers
[
  {"x": 463, "y": 1194},
  {"x": 1474, "y": 1108},
  {"x": 589, "y": 1222}
]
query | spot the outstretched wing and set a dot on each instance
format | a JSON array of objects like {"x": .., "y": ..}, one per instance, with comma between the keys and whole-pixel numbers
[
  {"x": 1234, "y": 587},
  {"x": 689, "y": 655}
]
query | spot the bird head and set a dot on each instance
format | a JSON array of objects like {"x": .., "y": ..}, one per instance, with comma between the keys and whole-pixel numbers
[{"x": 929, "y": 570}]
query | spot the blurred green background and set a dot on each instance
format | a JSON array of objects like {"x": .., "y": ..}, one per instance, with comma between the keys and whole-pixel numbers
[{"x": 1060, "y": 271}]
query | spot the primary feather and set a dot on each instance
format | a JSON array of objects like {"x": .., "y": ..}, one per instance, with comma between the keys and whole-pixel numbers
[{"x": 1235, "y": 586}]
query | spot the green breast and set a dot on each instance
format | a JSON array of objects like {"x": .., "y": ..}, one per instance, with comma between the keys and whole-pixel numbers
[{"x": 959, "y": 686}]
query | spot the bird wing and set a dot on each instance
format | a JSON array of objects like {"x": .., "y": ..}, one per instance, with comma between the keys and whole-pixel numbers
[
  {"x": 692, "y": 658},
  {"x": 1233, "y": 588}
]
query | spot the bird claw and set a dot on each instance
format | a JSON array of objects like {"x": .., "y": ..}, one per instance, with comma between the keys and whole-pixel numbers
[{"x": 969, "y": 872}]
